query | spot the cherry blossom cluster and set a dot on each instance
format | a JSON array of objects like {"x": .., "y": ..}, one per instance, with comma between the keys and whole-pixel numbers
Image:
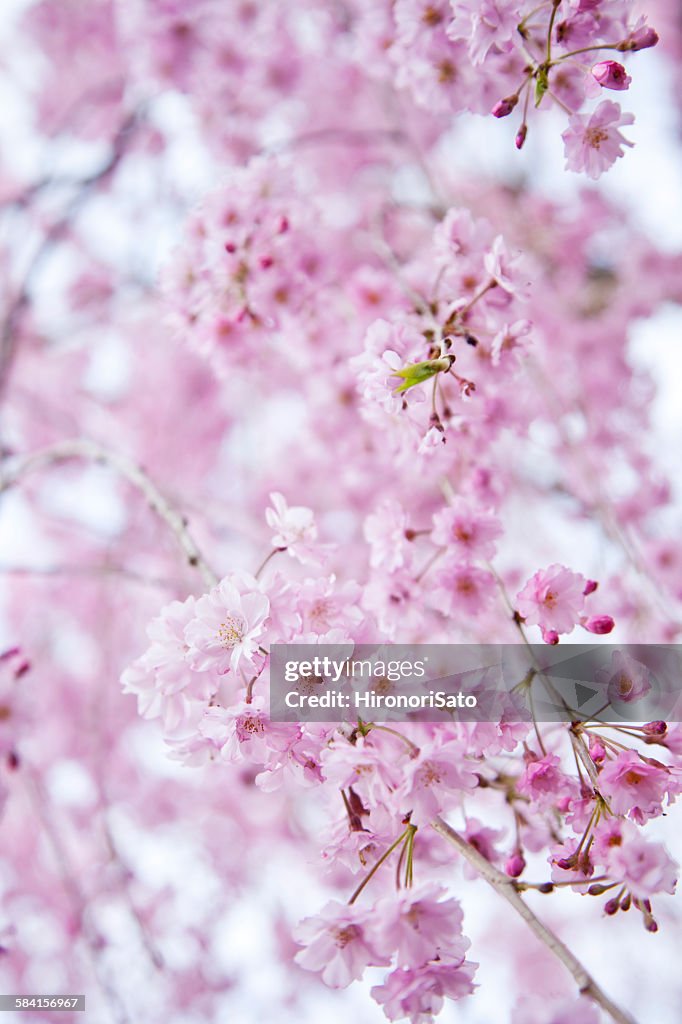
[
  {"x": 205, "y": 674},
  {"x": 443, "y": 57}
]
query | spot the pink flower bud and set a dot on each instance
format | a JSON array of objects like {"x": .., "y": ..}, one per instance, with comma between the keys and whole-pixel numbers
[
  {"x": 655, "y": 728},
  {"x": 598, "y": 624},
  {"x": 611, "y": 906},
  {"x": 515, "y": 865},
  {"x": 611, "y": 75},
  {"x": 550, "y": 636},
  {"x": 521, "y": 136},
  {"x": 590, "y": 587},
  {"x": 641, "y": 39},
  {"x": 504, "y": 107},
  {"x": 597, "y": 752}
]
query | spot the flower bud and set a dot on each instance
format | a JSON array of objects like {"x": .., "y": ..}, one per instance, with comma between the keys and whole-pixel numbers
[
  {"x": 504, "y": 107},
  {"x": 597, "y": 752},
  {"x": 598, "y": 624},
  {"x": 590, "y": 587},
  {"x": 521, "y": 136},
  {"x": 641, "y": 39},
  {"x": 611, "y": 906},
  {"x": 515, "y": 865},
  {"x": 655, "y": 728},
  {"x": 611, "y": 75},
  {"x": 550, "y": 636}
]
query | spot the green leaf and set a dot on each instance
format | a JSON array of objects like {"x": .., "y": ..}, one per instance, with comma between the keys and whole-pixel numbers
[
  {"x": 541, "y": 85},
  {"x": 417, "y": 373}
]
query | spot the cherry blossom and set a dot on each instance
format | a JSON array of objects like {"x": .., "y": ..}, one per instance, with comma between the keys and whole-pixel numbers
[
  {"x": 611, "y": 75},
  {"x": 224, "y": 630},
  {"x": 337, "y": 944},
  {"x": 593, "y": 142},
  {"x": 294, "y": 527},
  {"x": 635, "y": 786},
  {"x": 553, "y": 598}
]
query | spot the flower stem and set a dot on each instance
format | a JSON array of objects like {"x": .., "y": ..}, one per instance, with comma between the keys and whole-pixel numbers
[{"x": 401, "y": 838}]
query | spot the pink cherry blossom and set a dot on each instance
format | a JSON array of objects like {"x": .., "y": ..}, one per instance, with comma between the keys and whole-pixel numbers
[
  {"x": 337, "y": 944},
  {"x": 552, "y": 598},
  {"x": 162, "y": 680},
  {"x": 419, "y": 993},
  {"x": 224, "y": 632},
  {"x": 465, "y": 530},
  {"x": 543, "y": 780},
  {"x": 633, "y": 786},
  {"x": 249, "y": 733},
  {"x": 611, "y": 75},
  {"x": 434, "y": 780},
  {"x": 418, "y": 925},
  {"x": 593, "y": 142},
  {"x": 643, "y": 866},
  {"x": 294, "y": 527},
  {"x": 385, "y": 532},
  {"x": 628, "y": 679},
  {"x": 462, "y": 590}
]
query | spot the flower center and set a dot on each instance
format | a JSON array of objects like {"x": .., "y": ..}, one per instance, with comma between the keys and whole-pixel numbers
[
  {"x": 320, "y": 613},
  {"x": 342, "y": 936},
  {"x": 595, "y": 136},
  {"x": 430, "y": 774},
  {"x": 231, "y": 631},
  {"x": 625, "y": 686},
  {"x": 252, "y": 725},
  {"x": 431, "y": 17}
]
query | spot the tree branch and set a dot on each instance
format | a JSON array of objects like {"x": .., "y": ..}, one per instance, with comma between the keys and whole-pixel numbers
[
  {"x": 66, "y": 451},
  {"x": 506, "y": 887}
]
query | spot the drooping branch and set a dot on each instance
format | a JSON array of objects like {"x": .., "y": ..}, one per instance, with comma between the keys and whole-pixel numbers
[
  {"x": 507, "y": 888},
  {"x": 67, "y": 451},
  {"x": 85, "y": 188}
]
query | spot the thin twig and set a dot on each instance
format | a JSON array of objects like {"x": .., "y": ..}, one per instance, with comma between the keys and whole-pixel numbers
[
  {"x": 507, "y": 888},
  {"x": 66, "y": 451}
]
